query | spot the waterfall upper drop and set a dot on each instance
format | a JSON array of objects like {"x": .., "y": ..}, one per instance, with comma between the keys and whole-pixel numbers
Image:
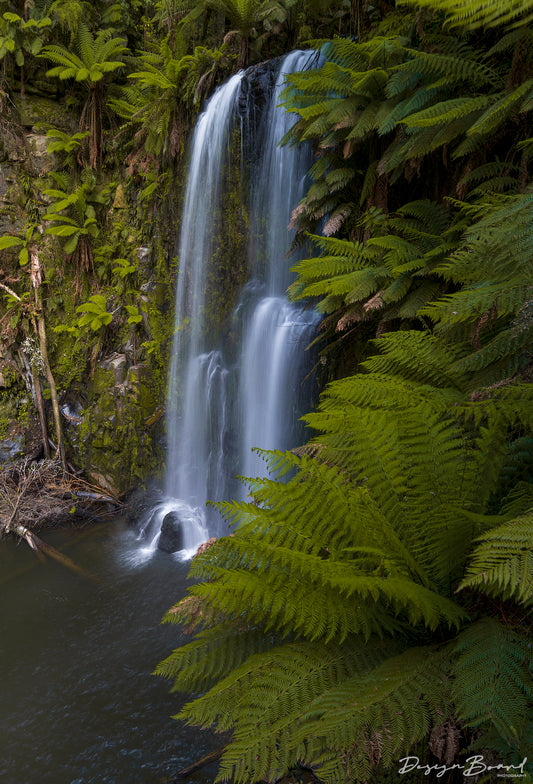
[
  {"x": 277, "y": 333},
  {"x": 197, "y": 377},
  {"x": 234, "y": 385}
]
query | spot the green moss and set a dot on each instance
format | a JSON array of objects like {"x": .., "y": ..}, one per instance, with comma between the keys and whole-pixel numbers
[
  {"x": 15, "y": 405},
  {"x": 120, "y": 437},
  {"x": 35, "y": 109},
  {"x": 227, "y": 271}
]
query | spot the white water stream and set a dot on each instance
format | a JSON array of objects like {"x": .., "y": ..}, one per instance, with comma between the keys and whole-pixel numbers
[
  {"x": 219, "y": 409},
  {"x": 277, "y": 333}
]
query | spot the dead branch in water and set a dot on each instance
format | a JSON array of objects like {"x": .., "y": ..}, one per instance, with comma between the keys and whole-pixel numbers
[{"x": 213, "y": 756}]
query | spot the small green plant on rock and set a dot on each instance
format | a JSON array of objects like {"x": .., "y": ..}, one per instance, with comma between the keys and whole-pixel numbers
[
  {"x": 94, "y": 313},
  {"x": 12, "y": 241},
  {"x": 134, "y": 315},
  {"x": 22, "y": 37},
  {"x": 67, "y": 146},
  {"x": 73, "y": 216}
]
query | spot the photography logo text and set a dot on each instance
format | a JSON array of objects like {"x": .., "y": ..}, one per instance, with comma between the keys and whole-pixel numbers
[{"x": 473, "y": 766}]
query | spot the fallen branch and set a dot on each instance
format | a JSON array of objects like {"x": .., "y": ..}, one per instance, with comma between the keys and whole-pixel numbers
[
  {"x": 201, "y": 763},
  {"x": 37, "y": 544}
]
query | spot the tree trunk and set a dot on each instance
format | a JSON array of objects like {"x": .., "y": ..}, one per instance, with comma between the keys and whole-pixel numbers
[
  {"x": 37, "y": 544},
  {"x": 34, "y": 385},
  {"x": 40, "y": 408},
  {"x": 36, "y": 278}
]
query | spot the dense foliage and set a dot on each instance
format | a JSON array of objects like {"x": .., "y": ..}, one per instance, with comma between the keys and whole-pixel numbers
[
  {"x": 98, "y": 100},
  {"x": 374, "y": 600}
]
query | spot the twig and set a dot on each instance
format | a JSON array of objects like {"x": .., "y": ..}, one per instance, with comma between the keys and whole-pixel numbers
[
  {"x": 201, "y": 763},
  {"x": 10, "y": 291}
]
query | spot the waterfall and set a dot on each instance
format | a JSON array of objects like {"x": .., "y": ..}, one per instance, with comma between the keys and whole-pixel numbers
[
  {"x": 222, "y": 401},
  {"x": 277, "y": 333},
  {"x": 197, "y": 377}
]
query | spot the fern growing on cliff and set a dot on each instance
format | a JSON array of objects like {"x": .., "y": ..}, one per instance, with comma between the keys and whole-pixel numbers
[
  {"x": 377, "y": 111},
  {"x": 167, "y": 86},
  {"x": 389, "y": 276}
]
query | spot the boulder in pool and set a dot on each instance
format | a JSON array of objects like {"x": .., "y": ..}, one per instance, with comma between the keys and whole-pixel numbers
[{"x": 171, "y": 537}]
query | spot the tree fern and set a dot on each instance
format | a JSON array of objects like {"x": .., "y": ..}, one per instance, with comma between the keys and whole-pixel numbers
[
  {"x": 334, "y": 552},
  {"x": 94, "y": 58},
  {"x": 390, "y": 267},
  {"x": 368, "y": 547},
  {"x": 502, "y": 562},
  {"x": 493, "y": 682}
]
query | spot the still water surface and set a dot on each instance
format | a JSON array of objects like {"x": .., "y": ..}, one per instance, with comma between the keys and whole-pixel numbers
[{"x": 78, "y": 703}]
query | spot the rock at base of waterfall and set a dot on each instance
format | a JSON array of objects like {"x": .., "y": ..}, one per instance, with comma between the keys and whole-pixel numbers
[
  {"x": 205, "y": 546},
  {"x": 171, "y": 538}
]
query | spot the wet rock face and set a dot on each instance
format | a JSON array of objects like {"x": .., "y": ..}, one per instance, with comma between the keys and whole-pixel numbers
[
  {"x": 256, "y": 91},
  {"x": 11, "y": 448},
  {"x": 118, "y": 365},
  {"x": 171, "y": 538},
  {"x": 116, "y": 437}
]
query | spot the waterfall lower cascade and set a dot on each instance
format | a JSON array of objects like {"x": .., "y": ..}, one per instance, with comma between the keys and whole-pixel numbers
[{"x": 234, "y": 385}]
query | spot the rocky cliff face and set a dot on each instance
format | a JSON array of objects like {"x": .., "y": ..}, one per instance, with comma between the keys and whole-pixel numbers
[{"x": 112, "y": 380}]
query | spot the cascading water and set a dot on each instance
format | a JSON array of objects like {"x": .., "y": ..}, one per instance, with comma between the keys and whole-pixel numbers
[
  {"x": 197, "y": 377},
  {"x": 196, "y": 409},
  {"x": 278, "y": 332},
  {"x": 217, "y": 410}
]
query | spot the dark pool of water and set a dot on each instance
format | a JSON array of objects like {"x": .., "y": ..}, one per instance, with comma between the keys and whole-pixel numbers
[{"x": 78, "y": 703}]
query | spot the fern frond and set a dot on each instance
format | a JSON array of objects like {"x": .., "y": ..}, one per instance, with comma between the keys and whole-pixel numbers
[
  {"x": 501, "y": 109},
  {"x": 481, "y": 13},
  {"x": 446, "y": 111},
  {"x": 347, "y": 718},
  {"x": 272, "y": 692},
  {"x": 493, "y": 682},
  {"x": 416, "y": 356},
  {"x": 460, "y": 69},
  {"x": 213, "y": 654},
  {"x": 502, "y": 562}
]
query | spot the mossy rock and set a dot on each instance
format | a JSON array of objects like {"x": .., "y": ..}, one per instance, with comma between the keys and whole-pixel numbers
[
  {"x": 34, "y": 109},
  {"x": 120, "y": 437},
  {"x": 120, "y": 202}
]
